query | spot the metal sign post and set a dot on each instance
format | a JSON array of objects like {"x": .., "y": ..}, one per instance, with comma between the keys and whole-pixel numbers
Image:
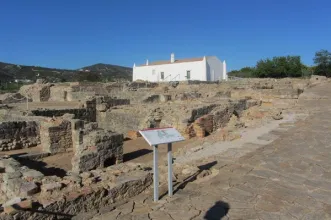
[{"x": 155, "y": 137}]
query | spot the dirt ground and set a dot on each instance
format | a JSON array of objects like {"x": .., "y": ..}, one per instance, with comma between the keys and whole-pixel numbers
[{"x": 137, "y": 151}]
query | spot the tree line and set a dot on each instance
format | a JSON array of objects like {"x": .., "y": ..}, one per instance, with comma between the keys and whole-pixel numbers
[{"x": 287, "y": 66}]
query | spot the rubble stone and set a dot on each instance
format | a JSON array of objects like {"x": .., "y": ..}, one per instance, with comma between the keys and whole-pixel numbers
[
  {"x": 28, "y": 189},
  {"x": 49, "y": 187},
  {"x": 33, "y": 174}
]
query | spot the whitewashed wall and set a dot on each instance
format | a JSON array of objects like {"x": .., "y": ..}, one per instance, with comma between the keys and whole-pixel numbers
[
  {"x": 214, "y": 69},
  {"x": 178, "y": 70}
]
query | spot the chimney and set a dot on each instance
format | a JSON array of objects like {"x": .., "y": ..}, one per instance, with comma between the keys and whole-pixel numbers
[
  {"x": 147, "y": 62},
  {"x": 225, "y": 74},
  {"x": 172, "y": 58}
]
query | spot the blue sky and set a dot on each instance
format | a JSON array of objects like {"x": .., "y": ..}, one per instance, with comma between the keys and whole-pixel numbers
[{"x": 72, "y": 33}]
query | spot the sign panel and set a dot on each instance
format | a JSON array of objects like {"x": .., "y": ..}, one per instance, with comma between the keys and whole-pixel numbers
[{"x": 156, "y": 136}]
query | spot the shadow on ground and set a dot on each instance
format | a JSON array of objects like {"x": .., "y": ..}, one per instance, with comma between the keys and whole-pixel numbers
[
  {"x": 136, "y": 154},
  {"x": 181, "y": 185},
  {"x": 47, "y": 214},
  {"x": 217, "y": 211},
  {"x": 41, "y": 167}
]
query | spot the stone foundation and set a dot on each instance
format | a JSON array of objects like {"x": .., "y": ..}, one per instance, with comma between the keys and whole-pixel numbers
[
  {"x": 63, "y": 197},
  {"x": 87, "y": 114}
]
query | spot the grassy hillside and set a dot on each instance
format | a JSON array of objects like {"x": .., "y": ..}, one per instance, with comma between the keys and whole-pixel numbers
[
  {"x": 97, "y": 72},
  {"x": 111, "y": 71}
]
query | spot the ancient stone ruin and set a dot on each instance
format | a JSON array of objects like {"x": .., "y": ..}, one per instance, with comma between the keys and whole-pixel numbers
[{"x": 67, "y": 147}]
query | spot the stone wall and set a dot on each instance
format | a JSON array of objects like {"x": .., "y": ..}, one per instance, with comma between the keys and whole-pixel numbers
[
  {"x": 216, "y": 117},
  {"x": 157, "y": 98},
  {"x": 118, "y": 120},
  {"x": 87, "y": 114},
  {"x": 96, "y": 148},
  {"x": 37, "y": 92},
  {"x": 24, "y": 190},
  {"x": 75, "y": 96},
  {"x": 9, "y": 98},
  {"x": 59, "y": 93},
  {"x": 56, "y": 136},
  {"x": 105, "y": 102},
  {"x": 18, "y": 134},
  {"x": 267, "y": 94}
]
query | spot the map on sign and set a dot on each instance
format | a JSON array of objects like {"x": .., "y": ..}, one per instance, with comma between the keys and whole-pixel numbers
[{"x": 161, "y": 136}]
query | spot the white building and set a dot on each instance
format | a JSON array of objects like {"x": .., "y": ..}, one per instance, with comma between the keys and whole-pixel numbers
[{"x": 207, "y": 68}]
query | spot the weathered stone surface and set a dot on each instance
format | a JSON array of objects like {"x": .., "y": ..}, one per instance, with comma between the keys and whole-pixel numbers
[
  {"x": 56, "y": 136},
  {"x": 33, "y": 174},
  {"x": 18, "y": 134},
  {"x": 28, "y": 189},
  {"x": 51, "y": 187},
  {"x": 12, "y": 201},
  {"x": 274, "y": 181},
  {"x": 99, "y": 149},
  {"x": 11, "y": 175},
  {"x": 18, "y": 206}
]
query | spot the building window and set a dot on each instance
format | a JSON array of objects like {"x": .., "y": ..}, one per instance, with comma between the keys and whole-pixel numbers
[
  {"x": 153, "y": 72},
  {"x": 162, "y": 75},
  {"x": 188, "y": 74}
]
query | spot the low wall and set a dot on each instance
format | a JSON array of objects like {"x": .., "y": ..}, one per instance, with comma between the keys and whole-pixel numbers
[
  {"x": 267, "y": 94},
  {"x": 80, "y": 113},
  {"x": 110, "y": 101},
  {"x": 87, "y": 114},
  {"x": 118, "y": 120},
  {"x": 74, "y": 96},
  {"x": 51, "y": 197},
  {"x": 18, "y": 134}
]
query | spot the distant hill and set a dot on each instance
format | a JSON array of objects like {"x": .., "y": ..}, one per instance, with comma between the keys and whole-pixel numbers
[
  {"x": 113, "y": 71},
  {"x": 97, "y": 72}
]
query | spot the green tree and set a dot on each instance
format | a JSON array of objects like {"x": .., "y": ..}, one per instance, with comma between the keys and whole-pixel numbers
[
  {"x": 264, "y": 68},
  {"x": 279, "y": 67},
  {"x": 322, "y": 60},
  {"x": 89, "y": 76},
  {"x": 245, "y": 72}
]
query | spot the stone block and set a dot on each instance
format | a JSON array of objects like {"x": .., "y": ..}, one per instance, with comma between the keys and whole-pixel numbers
[
  {"x": 86, "y": 175},
  {"x": 12, "y": 201},
  {"x": 33, "y": 174},
  {"x": 12, "y": 187},
  {"x": 11, "y": 168},
  {"x": 49, "y": 187},
  {"x": 13, "y": 175},
  {"x": 19, "y": 206},
  {"x": 28, "y": 189}
]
